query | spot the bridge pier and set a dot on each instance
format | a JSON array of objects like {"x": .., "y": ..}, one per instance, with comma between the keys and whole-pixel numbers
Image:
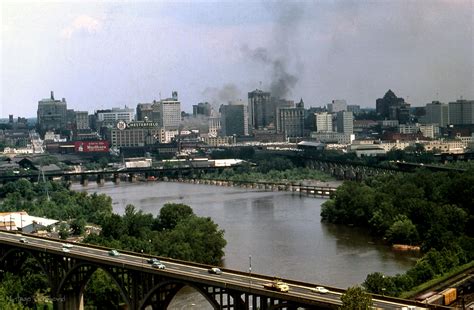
[
  {"x": 84, "y": 180},
  {"x": 116, "y": 178},
  {"x": 132, "y": 178},
  {"x": 100, "y": 179}
]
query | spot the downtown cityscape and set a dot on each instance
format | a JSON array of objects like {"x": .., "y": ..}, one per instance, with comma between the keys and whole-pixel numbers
[{"x": 237, "y": 155}]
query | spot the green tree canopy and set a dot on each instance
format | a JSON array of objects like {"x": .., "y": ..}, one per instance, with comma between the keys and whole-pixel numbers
[
  {"x": 355, "y": 298},
  {"x": 173, "y": 213}
]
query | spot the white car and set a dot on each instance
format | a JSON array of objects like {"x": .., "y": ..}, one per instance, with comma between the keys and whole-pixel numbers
[
  {"x": 320, "y": 290},
  {"x": 67, "y": 245},
  {"x": 158, "y": 265},
  {"x": 66, "y": 250}
]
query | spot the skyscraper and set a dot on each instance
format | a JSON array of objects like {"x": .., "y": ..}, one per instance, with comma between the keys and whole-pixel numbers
[
  {"x": 436, "y": 113},
  {"x": 52, "y": 113},
  {"x": 461, "y": 112},
  {"x": 290, "y": 121},
  {"x": 234, "y": 120},
  {"x": 258, "y": 109},
  {"x": 171, "y": 112},
  {"x": 345, "y": 122}
]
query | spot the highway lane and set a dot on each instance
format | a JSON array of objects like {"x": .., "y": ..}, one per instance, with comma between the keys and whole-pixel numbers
[{"x": 199, "y": 274}]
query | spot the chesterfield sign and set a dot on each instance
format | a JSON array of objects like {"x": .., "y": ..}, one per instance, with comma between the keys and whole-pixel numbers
[{"x": 122, "y": 125}]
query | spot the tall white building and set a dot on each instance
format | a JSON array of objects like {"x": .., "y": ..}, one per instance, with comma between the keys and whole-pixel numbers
[
  {"x": 171, "y": 112},
  {"x": 345, "y": 122},
  {"x": 323, "y": 122}
]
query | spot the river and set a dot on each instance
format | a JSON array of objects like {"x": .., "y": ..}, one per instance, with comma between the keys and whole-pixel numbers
[{"x": 281, "y": 231}]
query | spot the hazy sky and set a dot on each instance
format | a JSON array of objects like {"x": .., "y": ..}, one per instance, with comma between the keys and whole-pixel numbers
[{"x": 104, "y": 54}]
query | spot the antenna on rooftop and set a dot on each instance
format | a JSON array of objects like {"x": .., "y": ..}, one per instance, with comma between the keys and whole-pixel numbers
[{"x": 260, "y": 83}]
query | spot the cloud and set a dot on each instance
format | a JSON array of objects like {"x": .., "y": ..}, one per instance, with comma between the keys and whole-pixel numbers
[{"x": 82, "y": 23}]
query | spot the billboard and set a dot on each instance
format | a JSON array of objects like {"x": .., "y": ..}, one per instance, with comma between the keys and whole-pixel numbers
[{"x": 91, "y": 146}]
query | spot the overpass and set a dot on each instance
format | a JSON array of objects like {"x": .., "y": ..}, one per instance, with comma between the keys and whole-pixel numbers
[{"x": 142, "y": 286}]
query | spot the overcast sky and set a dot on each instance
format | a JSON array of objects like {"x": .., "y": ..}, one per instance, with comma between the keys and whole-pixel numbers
[{"x": 104, "y": 54}]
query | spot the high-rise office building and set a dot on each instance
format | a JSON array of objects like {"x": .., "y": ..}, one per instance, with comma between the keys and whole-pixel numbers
[
  {"x": 323, "y": 122},
  {"x": 383, "y": 105},
  {"x": 259, "y": 108},
  {"x": 345, "y": 122},
  {"x": 82, "y": 120},
  {"x": 171, "y": 112},
  {"x": 436, "y": 113},
  {"x": 290, "y": 121},
  {"x": 234, "y": 120},
  {"x": 461, "y": 112},
  {"x": 52, "y": 113},
  {"x": 202, "y": 108}
]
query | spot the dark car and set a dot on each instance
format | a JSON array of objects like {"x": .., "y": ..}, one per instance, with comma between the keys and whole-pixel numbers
[{"x": 153, "y": 260}]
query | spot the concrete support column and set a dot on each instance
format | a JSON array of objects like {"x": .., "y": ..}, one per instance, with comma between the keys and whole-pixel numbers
[
  {"x": 100, "y": 179},
  {"x": 132, "y": 178},
  {"x": 116, "y": 178},
  {"x": 84, "y": 180}
]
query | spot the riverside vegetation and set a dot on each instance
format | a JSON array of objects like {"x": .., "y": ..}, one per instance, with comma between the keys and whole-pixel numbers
[
  {"x": 433, "y": 210},
  {"x": 177, "y": 233}
]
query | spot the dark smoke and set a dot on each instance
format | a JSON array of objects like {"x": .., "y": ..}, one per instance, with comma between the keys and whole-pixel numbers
[
  {"x": 218, "y": 96},
  {"x": 288, "y": 17},
  {"x": 282, "y": 82}
]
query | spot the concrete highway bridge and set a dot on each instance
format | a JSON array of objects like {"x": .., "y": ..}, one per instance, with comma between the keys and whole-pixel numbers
[{"x": 144, "y": 287}]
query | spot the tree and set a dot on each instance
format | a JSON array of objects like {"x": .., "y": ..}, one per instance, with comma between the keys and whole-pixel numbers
[
  {"x": 78, "y": 226},
  {"x": 377, "y": 283},
  {"x": 102, "y": 291},
  {"x": 172, "y": 213},
  {"x": 402, "y": 231},
  {"x": 64, "y": 231},
  {"x": 355, "y": 298},
  {"x": 197, "y": 239}
]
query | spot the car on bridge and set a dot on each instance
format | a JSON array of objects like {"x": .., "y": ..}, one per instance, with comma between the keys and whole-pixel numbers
[
  {"x": 158, "y": 265},
  {"x": 320, "y": 290},
  {"x": 153, "y": 261},
  {"x": 214, "y": 270},
  {"x": 23, "y": 240},
  {"x": 277, "y": 285},
  {"x": 114, "y": 253},
  {"x": 66, "y": 250},
  {"x": 67, "y": 245}
]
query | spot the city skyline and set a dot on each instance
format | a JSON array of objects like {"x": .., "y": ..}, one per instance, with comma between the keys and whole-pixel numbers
[{"x": 100, "y": 55}]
